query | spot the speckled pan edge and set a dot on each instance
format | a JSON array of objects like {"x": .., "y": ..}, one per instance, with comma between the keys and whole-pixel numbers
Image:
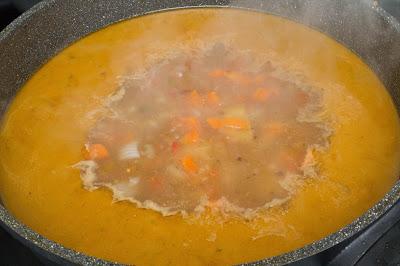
[{"x": 26, "y": 234}]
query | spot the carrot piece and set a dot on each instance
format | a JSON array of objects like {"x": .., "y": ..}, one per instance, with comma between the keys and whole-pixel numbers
[
  {"x": 189, "y": 165},
  {"x": 215, "y": 123},
  {"x": 217, "y": 73},
  {"x": 237, "y": 123},
  {"x": 262, "y": 94},
  {"x": 212, "y": 98},
  {"x": 191, "y": 137},
  {"x": 97, "y": 151},
  {"x": 194, "y": 98}
]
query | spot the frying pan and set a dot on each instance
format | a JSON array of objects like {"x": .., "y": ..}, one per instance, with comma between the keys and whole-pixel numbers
[{"x": 32, "y": 39}]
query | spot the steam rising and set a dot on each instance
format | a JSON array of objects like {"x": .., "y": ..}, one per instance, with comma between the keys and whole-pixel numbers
[{"x": 293, "y": 60}]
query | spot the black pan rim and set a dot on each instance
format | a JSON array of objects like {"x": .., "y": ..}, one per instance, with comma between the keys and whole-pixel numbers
[{"x": 25, "y": 234}]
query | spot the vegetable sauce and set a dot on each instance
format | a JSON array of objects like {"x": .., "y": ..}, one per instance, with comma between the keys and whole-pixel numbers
[{"x": 210, "y": 136}]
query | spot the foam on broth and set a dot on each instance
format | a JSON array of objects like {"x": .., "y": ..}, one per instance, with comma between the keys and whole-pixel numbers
[
  {"x": 213, "y": 128},
  {"x": 54, "y": 114}
]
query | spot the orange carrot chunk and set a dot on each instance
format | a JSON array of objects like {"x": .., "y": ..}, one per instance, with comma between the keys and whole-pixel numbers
[
  {"x": 189, "y": 165},
  {"x": 215, "y": 123},
  {"x": 97, "y": 151},
  {"x": 237, "y": 123}
]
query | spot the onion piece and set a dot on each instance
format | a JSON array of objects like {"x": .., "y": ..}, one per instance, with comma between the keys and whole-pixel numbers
[{"x": 129, "y": 151}]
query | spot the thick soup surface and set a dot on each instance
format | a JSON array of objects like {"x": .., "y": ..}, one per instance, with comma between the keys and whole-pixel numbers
[{"x": 211, "y": 136}]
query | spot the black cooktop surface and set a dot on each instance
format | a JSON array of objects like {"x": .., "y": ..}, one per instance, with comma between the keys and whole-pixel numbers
[{"x": 377, "y": 245}]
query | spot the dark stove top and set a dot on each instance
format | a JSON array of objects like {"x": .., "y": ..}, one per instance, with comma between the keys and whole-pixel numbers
[{"x": 377, "y": 245}]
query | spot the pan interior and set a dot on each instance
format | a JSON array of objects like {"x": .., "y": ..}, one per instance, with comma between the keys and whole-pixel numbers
[{"x": 338, "y": 190}]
